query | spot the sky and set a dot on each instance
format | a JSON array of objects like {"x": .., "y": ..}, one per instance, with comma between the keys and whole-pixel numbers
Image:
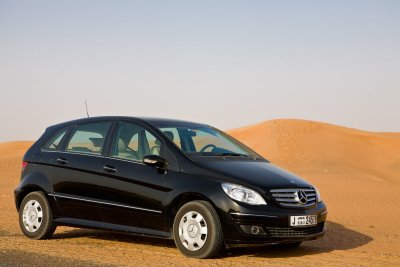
[{"x": 225, "y": 63}]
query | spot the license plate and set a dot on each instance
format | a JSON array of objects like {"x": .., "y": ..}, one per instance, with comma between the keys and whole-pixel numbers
[{"x": 303, "y": 220}]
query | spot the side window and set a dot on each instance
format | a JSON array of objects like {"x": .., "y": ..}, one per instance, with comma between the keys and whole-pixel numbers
[
  {"x": 55, "y": 141},
  {"x": 173, "y": 135},
  {"x": 89, "y": 138},
  {"x": 133, "y": 142},
  {"x": 153, "y": 144}
]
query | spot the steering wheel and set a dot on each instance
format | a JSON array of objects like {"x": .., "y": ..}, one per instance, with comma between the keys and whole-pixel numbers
[{"x": 207, "y": 146}]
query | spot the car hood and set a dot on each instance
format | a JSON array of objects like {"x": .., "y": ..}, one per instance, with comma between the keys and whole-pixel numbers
[{"x": 260, "y": 174}]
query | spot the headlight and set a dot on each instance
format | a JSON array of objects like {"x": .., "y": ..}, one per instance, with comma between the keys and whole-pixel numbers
[
  {"x": 243, "y": 194},
  {"x": 318, "y": 194}
]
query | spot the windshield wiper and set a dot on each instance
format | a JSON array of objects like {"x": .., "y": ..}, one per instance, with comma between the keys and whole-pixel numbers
[{"x": 228, "y": 154}]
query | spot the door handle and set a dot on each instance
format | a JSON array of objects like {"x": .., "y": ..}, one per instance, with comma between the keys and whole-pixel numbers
[
  {"x": 109, "y": 168},
  {"x": 62, "y": 161}
]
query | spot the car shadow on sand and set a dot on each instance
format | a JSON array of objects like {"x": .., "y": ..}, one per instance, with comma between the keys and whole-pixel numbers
[{"x": 338, "y": 237}]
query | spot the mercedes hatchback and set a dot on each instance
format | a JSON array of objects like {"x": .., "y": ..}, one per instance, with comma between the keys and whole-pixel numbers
[{"x": 163, "y": 178}]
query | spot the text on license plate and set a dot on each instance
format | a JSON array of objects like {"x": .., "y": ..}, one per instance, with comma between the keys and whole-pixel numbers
[{"x": 303, "y": 220}]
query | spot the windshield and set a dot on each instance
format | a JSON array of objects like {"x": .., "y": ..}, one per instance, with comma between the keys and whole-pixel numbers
[{"x": 197, "y": 140}]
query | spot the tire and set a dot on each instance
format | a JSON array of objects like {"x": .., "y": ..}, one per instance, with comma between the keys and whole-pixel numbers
[
  {"x": 35, "y": 216},
  {"x": 197, "y": 230}
]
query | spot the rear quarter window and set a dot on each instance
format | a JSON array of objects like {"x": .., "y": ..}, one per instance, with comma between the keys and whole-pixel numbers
[{"x": 55, "y": 141}]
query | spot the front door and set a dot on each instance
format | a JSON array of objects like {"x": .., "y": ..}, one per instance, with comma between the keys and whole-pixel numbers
[{"x": 133, "y": 192}]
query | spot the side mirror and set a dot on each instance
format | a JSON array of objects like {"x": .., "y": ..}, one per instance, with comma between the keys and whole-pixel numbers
[{"x": 156, "y": 161}]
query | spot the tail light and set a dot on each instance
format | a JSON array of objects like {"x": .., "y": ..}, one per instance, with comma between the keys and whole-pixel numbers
[{"x": 23, "y": 165}]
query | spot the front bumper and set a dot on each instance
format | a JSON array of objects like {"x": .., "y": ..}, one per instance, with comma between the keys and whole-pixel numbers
[{"x": 273, "y": 226}]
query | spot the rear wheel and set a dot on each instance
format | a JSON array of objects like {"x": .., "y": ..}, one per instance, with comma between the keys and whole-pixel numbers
[
  {"x": 197, "y": 230},
  {"x": 35, "y": 216}
]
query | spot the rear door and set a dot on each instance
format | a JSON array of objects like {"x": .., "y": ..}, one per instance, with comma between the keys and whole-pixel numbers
[{"x": 77, "y": 169}]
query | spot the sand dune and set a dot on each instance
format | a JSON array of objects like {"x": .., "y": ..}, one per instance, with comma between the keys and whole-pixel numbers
[
  {"x": 309, "y": 146},
  {"x": 14, "y": 149},
  {"x": 356, "y": 171}
]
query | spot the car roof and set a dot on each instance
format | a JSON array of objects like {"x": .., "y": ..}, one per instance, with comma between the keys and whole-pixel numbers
[{"x": 151, "y": 120}]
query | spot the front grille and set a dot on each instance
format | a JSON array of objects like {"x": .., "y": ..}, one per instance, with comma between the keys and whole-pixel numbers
[
  {"x": 295, "y": 197},
  {"x": 279, "y": 232}
]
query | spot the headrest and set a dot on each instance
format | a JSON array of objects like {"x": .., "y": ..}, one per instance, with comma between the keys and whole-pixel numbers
[{"x": 97, "y": 142}]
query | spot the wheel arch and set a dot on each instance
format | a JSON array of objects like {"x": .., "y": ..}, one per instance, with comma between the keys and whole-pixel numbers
[
  {"x": 30, "y": 183},
  {"x": 24, "y": 192},
  {"x": 178, "y": 202}
]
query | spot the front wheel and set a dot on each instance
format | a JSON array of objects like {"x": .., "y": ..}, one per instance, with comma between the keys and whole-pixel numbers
[
  {"x": 197, "y": 230},
  {"x": 35, "y": 216}
]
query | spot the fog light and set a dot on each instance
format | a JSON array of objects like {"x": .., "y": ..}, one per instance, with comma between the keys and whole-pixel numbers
[
  {"x": 255, "y": 230},
  {"x": 252, "y": 229}
]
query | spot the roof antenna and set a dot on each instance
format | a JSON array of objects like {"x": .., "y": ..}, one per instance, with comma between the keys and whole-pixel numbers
[{"x": 87, "y": 110}]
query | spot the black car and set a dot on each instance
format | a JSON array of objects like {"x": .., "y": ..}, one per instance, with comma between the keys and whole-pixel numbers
[{"x": 163, "y": 178}]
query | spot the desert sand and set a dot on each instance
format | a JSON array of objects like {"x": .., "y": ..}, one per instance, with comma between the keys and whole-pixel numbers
[{"x": 357, "y": 172}]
